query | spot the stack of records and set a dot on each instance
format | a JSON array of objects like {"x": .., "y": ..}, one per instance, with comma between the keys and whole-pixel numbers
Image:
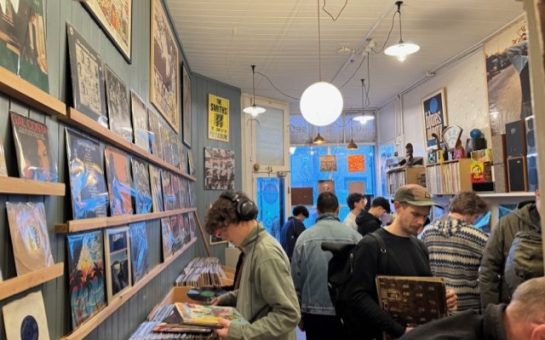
[{"x": 202, "y": 272}]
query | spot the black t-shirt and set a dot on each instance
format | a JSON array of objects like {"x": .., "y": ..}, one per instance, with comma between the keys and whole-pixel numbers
[{"x": 404, "y": 257}]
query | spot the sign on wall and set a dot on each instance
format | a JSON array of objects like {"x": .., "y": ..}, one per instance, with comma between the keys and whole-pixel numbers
[
  {"x": 356, "y": 163},
  {"x": 218, "y": 118},
  {"x": 435, "y": 116}
]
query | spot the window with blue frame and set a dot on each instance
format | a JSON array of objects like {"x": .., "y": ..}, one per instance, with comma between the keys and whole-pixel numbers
[{"x": 305, "y": 172}]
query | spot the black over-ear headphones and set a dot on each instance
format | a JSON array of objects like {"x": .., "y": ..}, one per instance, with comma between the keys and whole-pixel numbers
[{"x": 246, "y": 208}]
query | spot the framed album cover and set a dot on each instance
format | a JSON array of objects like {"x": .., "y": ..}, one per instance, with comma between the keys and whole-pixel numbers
[
  {"x": 186, "y": 102},
  {"x": 435, "y": 116},
  {"x": 164, "y": 68},
  {"x": 86, "y": 72},
  {"x": 115, "y": 18},
  {"x": 117, "y": 98},
  {"x": 117, "y": 254}
]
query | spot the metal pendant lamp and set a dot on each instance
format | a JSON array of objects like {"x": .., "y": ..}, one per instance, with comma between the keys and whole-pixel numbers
[
  {"x": 402, "y": 49},
  {"x": 253, "y": 110}
]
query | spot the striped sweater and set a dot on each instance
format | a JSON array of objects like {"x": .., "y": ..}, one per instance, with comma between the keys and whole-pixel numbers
[{"x": 456, "y": 249}]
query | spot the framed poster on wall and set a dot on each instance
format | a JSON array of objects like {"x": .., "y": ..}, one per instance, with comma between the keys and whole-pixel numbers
[
  {"x": 218, "y": 118},
  {"x": 115, "y": 18},
  {"x": 435, "y": 116},
  {"x": 186, "y": 108},
  {"x": 164, "y": 67}
]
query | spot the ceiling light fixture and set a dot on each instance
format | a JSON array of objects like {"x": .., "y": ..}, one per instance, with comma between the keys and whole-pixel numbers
[
  {"x": 351, "y": 145},
  {"x": 321, "y": 103},
  {"x": 318, "y": 139},
  {"x": 253, "y": 110},
  {"x": 402, "y": 49},
  {"x": 363, "y": 118}
]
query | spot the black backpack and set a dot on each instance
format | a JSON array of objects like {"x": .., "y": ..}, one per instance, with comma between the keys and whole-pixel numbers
[{"x": 524, "y": 260}]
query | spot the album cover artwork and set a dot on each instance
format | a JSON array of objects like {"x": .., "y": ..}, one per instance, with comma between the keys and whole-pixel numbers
[
  {"x": 22, "y": 40},
  {"x": 190, "y": 164},
  {"x": 87, "y": 78},
  {"x": 86, "y": 275},
  {"x": 3, "y": 167},
  {"x": 184, "y": 220},
  {"x": 32, "y": 149},
  {"x": 175, "y": 184},
  {"x": 192, "y": 224},
  {"x": 141, "y": 187},
  {"x": 29, "y": 236},
  {"x": 140, "y": 122},
  {"x": 25, "y": 318},
  {"x": 166, "y": 142},
  {"x": 139, "y": 250},
  {"x": 88, "y": 191},
  {"x": 117, "y": 98},
  {"x": 118, "y": 173},
  {"x": 155, "y": 133},
  {"x": 156, "y": 188},
  {"x": 169, "y": 198},
  {"x": 117, "y": 254},
  {"x": 412, "y": 300},
  {"x": 219, "y": 169},
  {"x": 203, "y": 315},
  {"x": 167, "y": 238},
  {"x": 183, "y": 156},
  {"x": 177, "y": 233}
]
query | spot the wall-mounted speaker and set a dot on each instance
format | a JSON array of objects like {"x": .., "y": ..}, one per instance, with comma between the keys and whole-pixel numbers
[
  {"x": 516, "y": 173},
  {"x": 515, "y": 139},
  {"x": 530, "y": 135},
  {"x": 531, "y": 166}
]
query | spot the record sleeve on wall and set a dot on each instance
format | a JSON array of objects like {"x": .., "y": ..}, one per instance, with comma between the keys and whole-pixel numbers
[
  {"x": 117, "y": 98},
  {"x": 25, "y": 318},
  {"x": 86, "y": 275},
  {"x": 88, "y": 91},
  {"x": 29, "y": 236},
  {"x": 328, "y": 163},
  {"x": 156, "y": 188},
  {"x": 141, "y": 187},
  {"x": 3, "y": 167},
  {"x": 155, "y": 133},
  {"x": 86, "y": 168},
  {"x": 167, "y": 238},
  {"x": 219, "y": 169},
  {"x": 118, "y": 173},
  {"x": 169, "y": 198},
  {"x": 22, "y": 40},
  {"x": 139, "y": 250},
  {"x": 140, "y": 122},
  {"x": 33, "y": 150},
  {"x": 117, "y": 254}
]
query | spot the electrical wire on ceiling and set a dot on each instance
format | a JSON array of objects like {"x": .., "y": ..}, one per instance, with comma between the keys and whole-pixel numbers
[
  {"x": 276, "y": 88},
  {"x": 334, "y": 18}
]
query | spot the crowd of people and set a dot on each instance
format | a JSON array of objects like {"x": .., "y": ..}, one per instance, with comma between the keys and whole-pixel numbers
[{"x": 281, "y": 286}]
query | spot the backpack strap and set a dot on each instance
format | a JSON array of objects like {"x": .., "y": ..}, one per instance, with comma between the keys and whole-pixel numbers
[{"x": 382, "y": 251}]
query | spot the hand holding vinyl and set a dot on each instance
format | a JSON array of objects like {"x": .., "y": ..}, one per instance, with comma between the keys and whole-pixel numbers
[
  {"x": 452, "y": 300},
  {"x": 224, "y": 330}
]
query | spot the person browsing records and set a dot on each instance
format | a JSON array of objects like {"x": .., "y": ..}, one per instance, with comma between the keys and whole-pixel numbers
[{"x": 263, "y": 293}]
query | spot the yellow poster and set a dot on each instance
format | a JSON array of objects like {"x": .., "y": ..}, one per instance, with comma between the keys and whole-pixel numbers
[{"x": 218, "y": 118}]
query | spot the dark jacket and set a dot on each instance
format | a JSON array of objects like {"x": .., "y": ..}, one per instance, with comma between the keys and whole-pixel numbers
[
  {"x": 367, "y": 223},
  {"x": 491, "y": 281},
  {"x": 467, "y": 325},
  {"x": 289, "y": 233}
]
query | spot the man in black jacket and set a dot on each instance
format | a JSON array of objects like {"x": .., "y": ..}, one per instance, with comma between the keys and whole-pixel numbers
[
  {"x": 369, "y": 221},
  {"x": 292, "y": 229},
  {"x": 523, "y": 318}
]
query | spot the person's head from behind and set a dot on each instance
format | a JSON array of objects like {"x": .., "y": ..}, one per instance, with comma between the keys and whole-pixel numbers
[
  {"x": 525, "y": 314},
  {"x": 327, "y": 203},
  {"x": 379, "y": 207},
  {"x": 409, "y": 149},
  {"x": 412, "y": 203},
  {"x": 356, "y": 201},
  {"x": 467, "y": 206},
  {"x": 231, "y": 217},
  {"x": 300, "y": 212}
]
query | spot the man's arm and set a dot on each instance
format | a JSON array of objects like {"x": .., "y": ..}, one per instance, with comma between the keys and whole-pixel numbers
[{"x": 492, "y": 264}]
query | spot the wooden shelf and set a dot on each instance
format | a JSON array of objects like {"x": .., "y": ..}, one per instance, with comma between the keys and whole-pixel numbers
[
  {"x": 74, "y": 226},
  {"x": 21, "y": 283},
  {"x": 94, "y": 128},
  {"x": 89, "y": 325},
  {"x": 23, "y": 186},
  {"x": 29, "y": 94}
]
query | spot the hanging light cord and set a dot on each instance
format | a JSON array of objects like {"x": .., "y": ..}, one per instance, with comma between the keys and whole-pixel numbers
[
  {"x": 319, "y": 45},
  {"x": 334, "y": 18},
  {"x": 399, "y": 17},
  {"x": 253, "y": 83},
  {"x": 276, "y": 88},
  {"x": 391, "y": 28}
]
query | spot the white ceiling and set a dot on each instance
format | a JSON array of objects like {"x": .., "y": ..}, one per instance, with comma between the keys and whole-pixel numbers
[{"x": 222, "y": 38}]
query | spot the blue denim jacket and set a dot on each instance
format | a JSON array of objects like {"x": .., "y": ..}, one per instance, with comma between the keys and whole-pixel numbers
[{"x": 309, "y": 263}]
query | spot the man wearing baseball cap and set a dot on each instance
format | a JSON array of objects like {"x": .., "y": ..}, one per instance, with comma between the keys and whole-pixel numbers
[{"x": 404, "y": 255}]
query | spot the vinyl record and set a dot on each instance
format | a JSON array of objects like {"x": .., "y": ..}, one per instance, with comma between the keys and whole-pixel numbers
[
  {"x": 29, "y": 328},
  {"x": 205, "y": 295},
  {"x": 25, "y": 318}
]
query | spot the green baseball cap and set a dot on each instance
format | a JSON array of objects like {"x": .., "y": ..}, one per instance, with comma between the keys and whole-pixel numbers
[{"x": 414, "y": 194}]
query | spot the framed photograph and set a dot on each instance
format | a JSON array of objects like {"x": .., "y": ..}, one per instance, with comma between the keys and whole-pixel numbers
[
  {"x": 435, "y": 116},
  {"x": 186, "y": 102},
  {"x": 86, "y": 72},
  {"x": 164, "y": 68},
  {"x": 115, "y": 18},
  {"x": 219, "y": 169},
  {"x": 118, "y": 254}
]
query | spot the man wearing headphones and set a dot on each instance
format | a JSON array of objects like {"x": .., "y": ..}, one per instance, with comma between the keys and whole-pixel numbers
[{"x": 263, "y": 293}]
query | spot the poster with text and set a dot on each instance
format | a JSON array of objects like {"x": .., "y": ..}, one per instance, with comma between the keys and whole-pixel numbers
[
  {"x": 218, "y": 118},
  {"x": 435, "y": 116}
]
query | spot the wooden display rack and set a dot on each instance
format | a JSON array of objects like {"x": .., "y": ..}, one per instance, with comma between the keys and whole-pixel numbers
[
  {"x": 449, "y": 177},
  {"x": 23, "y": 282},
  {"x": 397, "y": 177},
  {"x": 23, "y": 186}
]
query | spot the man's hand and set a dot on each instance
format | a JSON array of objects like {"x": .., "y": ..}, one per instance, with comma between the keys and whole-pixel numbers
[
  {"x": 452, "y": 300},
  {"x": 224, "y": 330}
]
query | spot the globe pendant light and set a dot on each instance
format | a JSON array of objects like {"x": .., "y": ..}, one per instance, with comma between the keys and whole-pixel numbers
[
  {"x": 253, "y": 110},
  {"x": 321, "y": 103},
  {"x": 402, "y": 49}
]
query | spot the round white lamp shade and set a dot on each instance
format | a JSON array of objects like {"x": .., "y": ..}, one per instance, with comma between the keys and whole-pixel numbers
[{"x": 321, "y": 104}]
